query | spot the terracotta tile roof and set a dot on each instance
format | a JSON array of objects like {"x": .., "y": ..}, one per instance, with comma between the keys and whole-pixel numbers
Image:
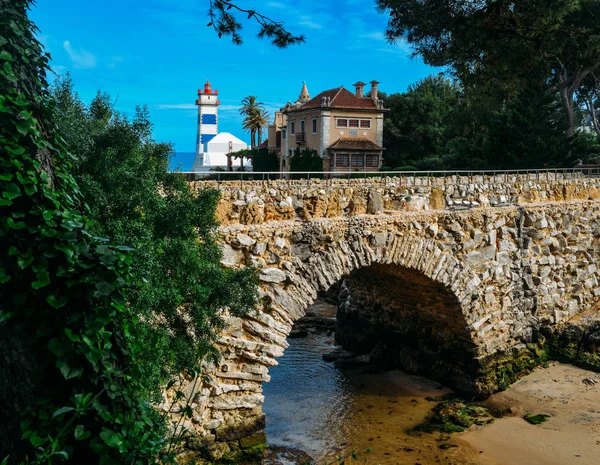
[
  {"x": 340, "y": 98},
  {"x": 355, "y": 143}
]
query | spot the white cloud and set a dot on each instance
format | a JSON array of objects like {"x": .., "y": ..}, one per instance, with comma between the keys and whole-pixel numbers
[
  {"x": 80, "y": 58},
  {"x": 276, "y": 5}
]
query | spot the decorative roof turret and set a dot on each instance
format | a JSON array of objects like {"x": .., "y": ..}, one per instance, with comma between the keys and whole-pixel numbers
[{"x": 304, "y": 95}]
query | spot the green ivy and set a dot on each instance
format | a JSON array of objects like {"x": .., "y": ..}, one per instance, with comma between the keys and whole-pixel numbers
[{"x": 72, "y": 393}]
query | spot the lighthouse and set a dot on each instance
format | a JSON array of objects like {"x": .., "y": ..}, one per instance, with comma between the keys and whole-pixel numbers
[
  {"x": 208, "y": 117},
  {"x": 212, "y": 148}
]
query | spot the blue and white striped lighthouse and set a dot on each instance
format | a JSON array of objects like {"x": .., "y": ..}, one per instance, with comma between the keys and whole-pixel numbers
[{"x": 208, "y": 117}]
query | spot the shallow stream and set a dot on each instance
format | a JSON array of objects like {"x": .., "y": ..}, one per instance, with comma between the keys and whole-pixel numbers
[{"x": 328, "y": 412}]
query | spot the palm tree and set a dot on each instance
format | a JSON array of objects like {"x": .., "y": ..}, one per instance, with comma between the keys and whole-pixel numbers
[
  {"x": 250, "y": 105},
  {"x": 261, "y": 121},
  {"x": 256, "y": 118}
]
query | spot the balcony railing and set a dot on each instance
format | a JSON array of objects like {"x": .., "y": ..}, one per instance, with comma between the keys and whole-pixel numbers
[{"x": 301, "y": 138}]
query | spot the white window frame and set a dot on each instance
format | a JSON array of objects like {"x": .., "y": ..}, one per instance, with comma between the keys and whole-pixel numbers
[
  {"x": 337, "y": 122},
  {"x": 364, "y": 121}
]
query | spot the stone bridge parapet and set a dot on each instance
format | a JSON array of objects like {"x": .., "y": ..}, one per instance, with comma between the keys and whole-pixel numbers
[{"x": 258, "y": 202}]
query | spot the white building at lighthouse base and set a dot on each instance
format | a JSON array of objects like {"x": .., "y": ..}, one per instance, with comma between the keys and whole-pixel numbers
[{"x": 217, "y": 149}]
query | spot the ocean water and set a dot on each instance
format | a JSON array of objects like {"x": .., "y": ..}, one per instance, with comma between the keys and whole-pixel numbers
[{"x": 182, "y": 161}]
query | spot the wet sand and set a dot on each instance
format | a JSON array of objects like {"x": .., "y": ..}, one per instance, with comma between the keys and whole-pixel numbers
[{"x": 570, "y": 437}]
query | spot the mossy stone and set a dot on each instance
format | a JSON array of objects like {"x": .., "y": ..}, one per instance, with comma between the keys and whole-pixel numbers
[{"x": 254, "y": 440}]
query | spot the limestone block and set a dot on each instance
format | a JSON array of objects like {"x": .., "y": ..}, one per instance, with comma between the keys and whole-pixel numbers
[
  {"x": 231, "y": 402},
  {"x": 374, "y": 203},
  {"x": 218, "y": 450},
  {"x": 436, "y": 199},
  {"x": 244, "y": 240},
  {"x": 272, "y": 275},
  {"x": 380, "y": 239},
  {"x": 231, "y": 257}
]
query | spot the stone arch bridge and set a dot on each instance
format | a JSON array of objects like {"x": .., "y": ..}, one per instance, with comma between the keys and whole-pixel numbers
[{"x": 454, "y": 276}]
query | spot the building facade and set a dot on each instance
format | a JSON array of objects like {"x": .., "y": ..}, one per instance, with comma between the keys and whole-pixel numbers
[{"x": 345, "y": 129}]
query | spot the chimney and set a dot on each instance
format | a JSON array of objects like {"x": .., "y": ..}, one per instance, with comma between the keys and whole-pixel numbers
[
  {"x": 360, "y": 86},
  {"x": 374, "y": 95}
]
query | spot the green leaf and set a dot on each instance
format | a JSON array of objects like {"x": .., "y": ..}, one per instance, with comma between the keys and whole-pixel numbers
[
  {"x": 4, "y": 278},
  {"x": 23, "y": 126},
  {"x": 59, "y": 347},
  {"x": 62, "y": 411},
  {"x": 81, "y": 433},
  {"x": 104, "y": 289},
  {"x": 5, "y": 316},
  {"x": 36, "y": 441},
  {"x": 29, "y": 190},
  {"x": 111, "y": 438},
  {"x": 117, "y": 298},
  {"x": 67, "y": 370},
  {"x": 66, "y": 247},
  {"x": 55, "y": 302},
  {"x": 11, "y": 191},
  {"x": 24, "y": 262},
  {"x": 15, "y": 225},
  {"x": 43, "y": 279}
]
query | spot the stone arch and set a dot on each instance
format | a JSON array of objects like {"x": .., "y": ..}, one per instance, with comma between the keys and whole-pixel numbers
[
  {"x": 231, "y": 407},
  {"x": 414, "y": 257}
]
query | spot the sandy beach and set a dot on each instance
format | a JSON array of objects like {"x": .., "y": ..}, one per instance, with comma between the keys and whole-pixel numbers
[{"x": 571, "y": 436}]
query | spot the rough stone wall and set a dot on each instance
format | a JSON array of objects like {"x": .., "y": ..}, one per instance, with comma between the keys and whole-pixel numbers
[
  {"x": 503, "y": 271},
  {"x": 254, "y": 202}
]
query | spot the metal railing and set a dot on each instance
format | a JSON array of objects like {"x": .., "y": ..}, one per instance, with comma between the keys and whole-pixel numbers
[
  {"x": 422, "y": 178},
  {"x": 300, "y": 138}
]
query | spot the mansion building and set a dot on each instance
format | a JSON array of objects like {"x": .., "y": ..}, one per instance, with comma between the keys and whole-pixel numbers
[{"x": 345, "y": 129}]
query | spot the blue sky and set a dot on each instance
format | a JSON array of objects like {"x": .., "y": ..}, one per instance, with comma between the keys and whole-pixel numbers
[{"x": 159, "y": 52}]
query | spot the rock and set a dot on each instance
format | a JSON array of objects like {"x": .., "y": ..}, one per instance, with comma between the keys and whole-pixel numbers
[
  {"x": 272, "y": 275},
  {"x": 218, "y": 450},
  {"x": 231, "y": 257},
  {"x": 254, "y": 440},
  {"x": 213, "y": 424},
  {"x": 298, "y": 334},
  {"x": 245, "y": 240},
  {"x": 375, "y": 203},
  {"x": 380, "y": 239},
  {"x": 302, "y": 251}
]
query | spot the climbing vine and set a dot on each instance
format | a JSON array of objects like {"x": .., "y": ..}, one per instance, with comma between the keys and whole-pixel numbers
[{"x": 68, "y": 389}]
